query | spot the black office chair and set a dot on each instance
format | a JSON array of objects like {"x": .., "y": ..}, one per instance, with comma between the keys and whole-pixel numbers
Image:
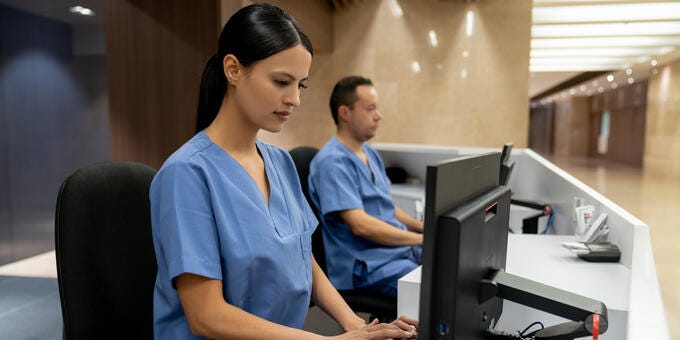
[
  {"x": 105, "y": 257},
  {"x": 378, "y": 306}
]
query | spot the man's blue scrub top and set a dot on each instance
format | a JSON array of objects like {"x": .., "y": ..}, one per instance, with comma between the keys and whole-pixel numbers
[
  {"x": 340, "y": 180},
  {"x": 209, "y": 218}
]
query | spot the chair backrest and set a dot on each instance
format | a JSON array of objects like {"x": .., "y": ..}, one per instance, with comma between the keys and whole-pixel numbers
[
  {"x": 105, "y": 257},
  {"x": 302, "y": 157}
]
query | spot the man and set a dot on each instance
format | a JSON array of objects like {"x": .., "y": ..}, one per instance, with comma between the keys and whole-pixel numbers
[{"x": 369, "y": 242}]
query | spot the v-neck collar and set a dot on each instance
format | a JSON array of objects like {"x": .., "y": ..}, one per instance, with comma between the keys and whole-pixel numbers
[
  {"x": 367, "y": 170},
  {"x": 246, "y": 177}
]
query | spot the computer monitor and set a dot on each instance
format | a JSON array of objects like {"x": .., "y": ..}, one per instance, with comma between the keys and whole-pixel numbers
[
  {"x": 463, "y": 281},
  {"x": 466, "y": 223}
]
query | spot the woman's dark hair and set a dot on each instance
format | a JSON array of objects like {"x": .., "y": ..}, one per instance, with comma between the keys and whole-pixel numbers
[
  {"x": 253, "y": 33},
  {"x": 345, "y": 93}
]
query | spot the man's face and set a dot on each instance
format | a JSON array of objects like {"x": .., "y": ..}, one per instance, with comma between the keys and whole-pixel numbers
[{"x": 362, "y": 119}]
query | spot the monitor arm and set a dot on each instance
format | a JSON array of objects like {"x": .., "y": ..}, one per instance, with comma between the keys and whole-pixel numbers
[{"x": 580, "y": 309}]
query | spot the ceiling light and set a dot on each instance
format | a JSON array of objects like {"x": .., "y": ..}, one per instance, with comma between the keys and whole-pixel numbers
[
  {"x": 655, "y": 71},
  {"x": 463, "y": 73},
  {"x": 595, "y": 83},
  {"x": 615, "y": 85},
  {"x": 582, "y": 88},
  {"x": 433, "y": 38},
  {"x": 572, "y": 92},
  {"x": 654, "y": 62},
  {"x": 605, "y": 13},
  {"x": 631, "y": 80},
  {"x": 610, "y": 78},
  {"x": 600, "y": 89},
  {"x": 629, "y": 71},
  {"x": 466, "y": 54},
  {"x": 81, "y": 11}
]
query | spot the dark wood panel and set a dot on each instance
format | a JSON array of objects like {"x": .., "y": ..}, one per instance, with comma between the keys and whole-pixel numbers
[
  {"x": 541, "y": 129},
  {"x": 156, "y": 51},
  {"x": 627, "y": 106}
]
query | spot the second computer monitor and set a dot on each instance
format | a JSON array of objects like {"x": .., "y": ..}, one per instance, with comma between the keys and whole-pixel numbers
[{"x": 466, "y": 223}]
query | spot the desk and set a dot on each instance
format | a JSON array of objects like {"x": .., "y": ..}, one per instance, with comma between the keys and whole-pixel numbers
[
  {"x": 634, "y": 302},
  {"x": 535, "y": 257}
]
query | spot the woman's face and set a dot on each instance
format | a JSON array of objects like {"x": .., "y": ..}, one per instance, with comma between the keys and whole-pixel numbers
[{"x": 268, "y": 90}]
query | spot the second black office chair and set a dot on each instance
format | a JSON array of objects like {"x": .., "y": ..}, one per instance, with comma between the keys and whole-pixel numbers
[
  {"x": 378, "y": 306},
  {"x": 106, "y": 264}
]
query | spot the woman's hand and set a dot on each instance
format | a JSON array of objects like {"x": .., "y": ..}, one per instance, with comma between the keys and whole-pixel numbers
[
  {"x": 407, "y": 324},
  {"x": 375, "y": 330}
]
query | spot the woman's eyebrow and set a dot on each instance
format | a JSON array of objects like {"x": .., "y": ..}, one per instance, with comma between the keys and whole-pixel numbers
[{"x": 290, "y": 76}]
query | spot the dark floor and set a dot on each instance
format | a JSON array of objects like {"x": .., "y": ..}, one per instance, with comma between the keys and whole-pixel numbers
[{"x": 29, "y": 308}]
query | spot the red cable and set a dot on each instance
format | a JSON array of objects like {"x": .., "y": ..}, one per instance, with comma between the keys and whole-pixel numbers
[{"x": 596, "y": 326}]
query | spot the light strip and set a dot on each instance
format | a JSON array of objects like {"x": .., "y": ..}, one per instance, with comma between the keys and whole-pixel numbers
[
  {"x": 657, "y": 41},
  {"x": 606, "y": 13},
  {"x": 601, "y": 52},
  {"x": 469, "y": 24},
  {"x": 608, "y": 29},
  {"x": 584, "y": 60},
  {"x": 569, "y": 68}
]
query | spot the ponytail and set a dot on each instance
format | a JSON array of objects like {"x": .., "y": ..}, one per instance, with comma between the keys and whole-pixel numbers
[
  {"x": 252, "y": 34},
  {"x": 213, "y": 89}
]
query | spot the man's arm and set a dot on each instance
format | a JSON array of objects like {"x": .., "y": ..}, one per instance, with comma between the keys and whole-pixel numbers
[
  {"x": 377, "y": 230},
  {"x": 411, "y": 223}
]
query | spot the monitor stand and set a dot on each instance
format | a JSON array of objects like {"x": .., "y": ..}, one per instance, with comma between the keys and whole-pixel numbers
[{"x": 589, "y": 316}]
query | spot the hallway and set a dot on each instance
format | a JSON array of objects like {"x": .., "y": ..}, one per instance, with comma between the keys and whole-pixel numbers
[{"x": 653, "y": 199}]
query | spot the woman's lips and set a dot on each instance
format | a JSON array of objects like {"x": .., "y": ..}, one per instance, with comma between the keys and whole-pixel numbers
[{"x": 282, "y": 115}]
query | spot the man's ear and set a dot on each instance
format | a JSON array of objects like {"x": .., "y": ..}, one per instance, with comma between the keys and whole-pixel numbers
[
  {"x": 232, "y": 69},
  {"x": 343, "y": 113}
]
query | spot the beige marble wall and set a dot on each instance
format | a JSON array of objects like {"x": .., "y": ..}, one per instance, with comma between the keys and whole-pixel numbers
[
  {"x": 662, "y": 141},
  {"x": 487, "y": 107}
]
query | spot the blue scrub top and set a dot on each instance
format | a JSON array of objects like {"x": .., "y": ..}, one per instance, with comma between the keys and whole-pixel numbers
[
  {"x": 209, "y": 218},
  {"x": 340, "y": 180}
]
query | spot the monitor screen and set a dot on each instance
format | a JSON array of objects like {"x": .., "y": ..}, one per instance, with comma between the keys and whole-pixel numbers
[{"x": 466, "y": 223}]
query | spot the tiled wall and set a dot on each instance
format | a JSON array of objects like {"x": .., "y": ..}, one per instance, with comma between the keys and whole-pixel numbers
[
  {"x": 470, "y": 91},
  {"x": 662, "y": 143}
]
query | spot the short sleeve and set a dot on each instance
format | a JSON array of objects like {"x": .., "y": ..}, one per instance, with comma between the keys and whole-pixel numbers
[
  {"x": 183, "y": 221},
  {"x": 337, "y": 185}
]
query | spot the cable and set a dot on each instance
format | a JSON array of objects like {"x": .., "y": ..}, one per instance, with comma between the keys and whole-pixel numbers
[
  {"x": 550, "y": 219},
  {"x": 524, "y": 333},
  {"x": 596, "y": 326}
]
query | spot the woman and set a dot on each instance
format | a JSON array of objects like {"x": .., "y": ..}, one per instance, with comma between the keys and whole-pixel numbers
[{"x": 231, "y": 226}]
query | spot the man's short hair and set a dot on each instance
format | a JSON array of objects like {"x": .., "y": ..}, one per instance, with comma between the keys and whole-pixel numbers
[{"x": 345, "y": 93}]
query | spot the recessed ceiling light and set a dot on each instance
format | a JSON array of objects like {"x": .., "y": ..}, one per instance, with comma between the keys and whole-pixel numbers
[
  {"x": 600, "y": 89},
  {"x": 654, "y": 62},
  {"x": 572, "y": 92},
  {"x": 631, "y": 80},
  {"x": 582, "y": 88},
  {"x": 629, "y": 71},
  {"x": 415, "y": 67},
  {"x": 595, "y": 83},
  {"x": 610, "y": 78},
  {"x": 81, "y": 11},
  {"x": 615, "y": 85}
]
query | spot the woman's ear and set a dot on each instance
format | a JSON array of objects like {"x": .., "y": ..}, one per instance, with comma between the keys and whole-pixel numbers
[{"x": 232, "y": 69}]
